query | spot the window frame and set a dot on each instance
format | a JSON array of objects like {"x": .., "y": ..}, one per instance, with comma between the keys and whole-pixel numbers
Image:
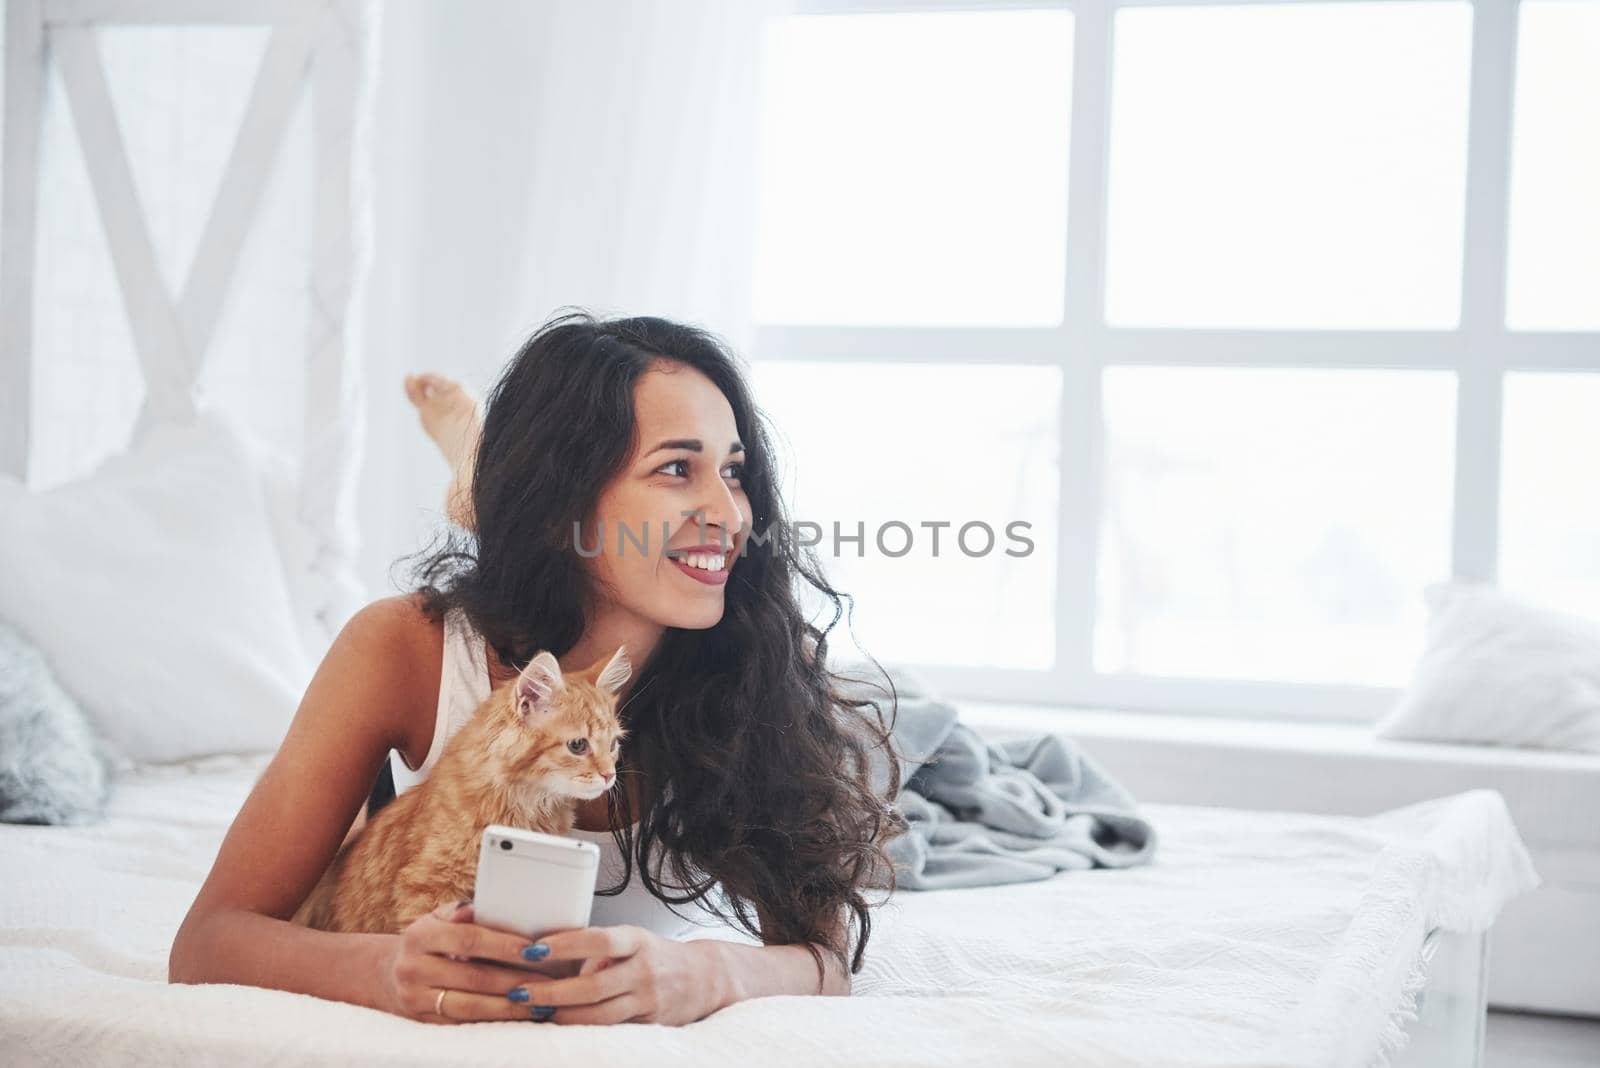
[{"x": 1480, "y": 350}]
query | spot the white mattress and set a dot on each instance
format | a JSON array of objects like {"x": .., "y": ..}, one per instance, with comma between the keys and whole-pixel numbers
[{"x": 1256, "y": 938}]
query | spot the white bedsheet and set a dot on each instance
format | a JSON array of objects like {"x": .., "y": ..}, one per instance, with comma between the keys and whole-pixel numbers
[{"x": 1255, "y": 939}]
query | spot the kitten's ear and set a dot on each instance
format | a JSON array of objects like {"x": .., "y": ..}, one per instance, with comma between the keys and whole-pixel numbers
[
  {"x": 537, "y": 685},
  {"x": 616, "y": 672}
]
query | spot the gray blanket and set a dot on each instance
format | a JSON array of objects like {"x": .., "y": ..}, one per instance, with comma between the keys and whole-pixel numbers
[{"x": 981, "y": 813}]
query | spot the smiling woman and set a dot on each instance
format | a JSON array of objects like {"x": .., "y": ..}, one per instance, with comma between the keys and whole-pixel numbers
[
  {"x": 746, "y": 769},
  {"x": 620, "y": 492}
]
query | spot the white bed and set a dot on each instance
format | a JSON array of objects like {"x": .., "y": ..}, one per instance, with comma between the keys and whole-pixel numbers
[{"x": 1255, "y": 939}]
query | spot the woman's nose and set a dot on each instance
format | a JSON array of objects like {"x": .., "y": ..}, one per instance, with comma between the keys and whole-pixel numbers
[{"x": 720, "y": 510}]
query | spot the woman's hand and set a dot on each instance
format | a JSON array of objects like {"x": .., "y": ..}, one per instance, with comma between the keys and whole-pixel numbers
[
  {"x": 630, "y": 974},
  {"x": 475, "y": 966}
]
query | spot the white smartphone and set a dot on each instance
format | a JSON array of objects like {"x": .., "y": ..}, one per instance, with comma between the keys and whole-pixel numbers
[{"x": 533, "y": 884}]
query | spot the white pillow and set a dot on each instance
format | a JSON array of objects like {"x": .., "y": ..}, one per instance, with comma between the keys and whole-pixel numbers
[
  {"x": 155, "y": 591},
  {"x": 1497, "y": 669}
]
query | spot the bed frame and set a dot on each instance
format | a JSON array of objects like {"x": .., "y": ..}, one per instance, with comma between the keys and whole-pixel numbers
[
  {"x": 315, "y": 47},
  {"x": 1451, "y": 1008}
]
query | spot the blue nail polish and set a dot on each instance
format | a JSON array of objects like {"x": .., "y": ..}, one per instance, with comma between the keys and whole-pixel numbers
[
  {"x": 542, "y": 1013},
  {"x": 538, "y": 951},
  {"x": 519, "y": 994}
]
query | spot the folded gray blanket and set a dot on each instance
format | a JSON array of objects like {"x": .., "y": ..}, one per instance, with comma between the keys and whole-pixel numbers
[{"x": 982, "y": 813}]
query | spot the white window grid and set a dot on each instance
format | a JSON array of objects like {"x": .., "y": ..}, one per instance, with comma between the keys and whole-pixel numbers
[{"x": 1480, "y": 351}]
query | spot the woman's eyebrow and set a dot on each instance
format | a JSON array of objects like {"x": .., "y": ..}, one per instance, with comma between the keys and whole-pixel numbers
[{"x": 692, "y": 444}]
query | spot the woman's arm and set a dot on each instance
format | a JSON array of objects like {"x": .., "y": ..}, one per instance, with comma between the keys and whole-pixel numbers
[
  {"x": 240, "y": 946},
  {"x": 295, "y": 819},
  {"x": 736, "y": 972},
  {"x": 759, "y": 971},
  {"x": 374, "y": 680}
]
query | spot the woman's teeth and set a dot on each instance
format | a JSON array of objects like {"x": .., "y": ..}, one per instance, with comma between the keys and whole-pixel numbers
[{"x": 704, "y": 561}]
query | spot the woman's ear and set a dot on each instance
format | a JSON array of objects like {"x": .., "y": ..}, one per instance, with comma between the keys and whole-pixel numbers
[{"x": 536, "y": 686}]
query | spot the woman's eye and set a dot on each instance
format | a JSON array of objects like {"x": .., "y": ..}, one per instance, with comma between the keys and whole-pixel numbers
[
  {"x": 579, "y": 745},
  {"x": 734, "y": 470}
]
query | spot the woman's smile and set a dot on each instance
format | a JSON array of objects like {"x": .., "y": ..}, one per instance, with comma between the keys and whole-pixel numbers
[{"x": 710, "y": 568}]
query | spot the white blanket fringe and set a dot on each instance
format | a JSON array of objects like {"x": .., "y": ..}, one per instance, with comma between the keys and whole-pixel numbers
[{"x": 1450, "y": 864}]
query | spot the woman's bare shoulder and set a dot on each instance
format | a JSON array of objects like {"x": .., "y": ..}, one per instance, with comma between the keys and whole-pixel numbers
[
  {"x": 400, "y": 622},
  {"x": 395, "y": 634}
]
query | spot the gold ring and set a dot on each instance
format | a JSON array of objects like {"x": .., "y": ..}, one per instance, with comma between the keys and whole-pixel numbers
[{"x": 438, "y": 1004}]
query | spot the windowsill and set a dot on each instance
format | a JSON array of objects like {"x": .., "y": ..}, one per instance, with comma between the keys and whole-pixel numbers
[{"x": 1353, "y": 739}]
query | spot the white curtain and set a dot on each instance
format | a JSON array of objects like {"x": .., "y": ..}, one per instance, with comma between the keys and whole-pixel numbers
[{"x": 533, "y": 155}]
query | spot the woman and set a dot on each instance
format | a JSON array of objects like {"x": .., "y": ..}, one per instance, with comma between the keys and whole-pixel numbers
[{"x": 744, "y": 783}]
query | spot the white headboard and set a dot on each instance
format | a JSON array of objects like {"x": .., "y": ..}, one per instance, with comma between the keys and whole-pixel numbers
[{"x": 259, "y": 322}]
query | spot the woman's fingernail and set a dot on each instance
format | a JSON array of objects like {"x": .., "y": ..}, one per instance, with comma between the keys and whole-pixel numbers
[
  {"x": 517, "y": 994},
  {"x": 538, "y": 951},
  {"x": 542, "y": 1012}
]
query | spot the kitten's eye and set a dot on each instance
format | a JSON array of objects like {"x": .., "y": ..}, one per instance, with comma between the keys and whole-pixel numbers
[{"x": 579, "y": 745}]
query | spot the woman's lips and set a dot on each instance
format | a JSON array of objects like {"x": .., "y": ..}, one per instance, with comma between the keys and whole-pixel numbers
[{"x": 709, "y": 578}]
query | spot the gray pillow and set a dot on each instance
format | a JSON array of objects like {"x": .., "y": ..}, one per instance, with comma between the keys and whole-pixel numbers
[{"x": 53, "y": 767}]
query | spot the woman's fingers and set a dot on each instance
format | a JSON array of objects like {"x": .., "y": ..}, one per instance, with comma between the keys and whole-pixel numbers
[
  {"x": 594, "y": 964},
  {"x": 462, "y": 1006},
  {"x": 583, "y": 943},
  {"x": 450, "y": 932},
  {"x": 488, "y": 947},
  {"x": 472, "y": 989},
  {"x": 478, "y": 969},
  {"x": 619, "y": 1009},
  {"x": 471, "y": 976},
  {"x": 590, "y": 989}
]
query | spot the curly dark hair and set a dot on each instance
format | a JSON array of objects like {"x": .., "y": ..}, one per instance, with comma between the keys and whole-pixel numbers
[{"x": 764, "y": 758}]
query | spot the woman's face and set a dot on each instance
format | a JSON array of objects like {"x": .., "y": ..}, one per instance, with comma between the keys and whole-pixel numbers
[{"x": 683, "y": 479}]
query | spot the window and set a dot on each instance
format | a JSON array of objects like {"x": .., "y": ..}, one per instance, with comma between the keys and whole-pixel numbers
[
  {"x": 915, "y": 169},
  {"x": 1550, "y": 521},
  {"x": 1252, "y": 176},
  {"x": 1555, "y": 214},
  {"x": 1270, "y": 523},
  {"x": 1264, "y": 315}
]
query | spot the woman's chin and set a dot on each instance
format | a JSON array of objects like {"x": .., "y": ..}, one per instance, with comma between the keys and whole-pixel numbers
[{"x": 695, "y": 616}]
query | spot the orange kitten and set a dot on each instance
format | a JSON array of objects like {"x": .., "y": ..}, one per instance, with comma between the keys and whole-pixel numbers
[{"x": 536, "y": 746}]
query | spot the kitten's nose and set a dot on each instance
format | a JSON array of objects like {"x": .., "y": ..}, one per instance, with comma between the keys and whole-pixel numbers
[{"x": 609, "y": 778}]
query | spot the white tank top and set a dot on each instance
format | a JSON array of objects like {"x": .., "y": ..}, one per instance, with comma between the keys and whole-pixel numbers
[{"x": 463, "y": 686}]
